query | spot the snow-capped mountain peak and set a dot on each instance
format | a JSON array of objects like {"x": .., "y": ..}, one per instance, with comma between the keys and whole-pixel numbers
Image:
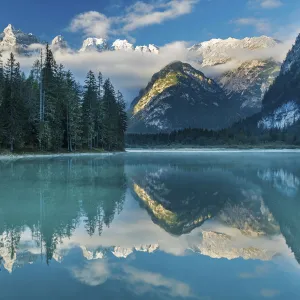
[
  {"x": 220, "y": 51},
  {"x": 59, "y": 43},
  {"x": 147, "y": 49},
  {"x": 16, "y": 40},
  {"x": 94, "y": 44},
  {"x": 122, "y": 45},
  {"x": 9, "y": 37},
  {"x": 9, "y": 29}
]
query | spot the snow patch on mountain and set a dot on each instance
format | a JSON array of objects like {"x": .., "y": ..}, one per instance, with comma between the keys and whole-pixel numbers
[
  {"x": 122, "y": 45},
  {"x": 16, "y": 40},
  {"x": 59, "y": 43},
  {"x": 147, "y": 49},
  {"x": 94, "y": 44},
  {"x": 284, "y": 116},
  {"x": 219, "y": 51},
  {"x": 220, "y": 245}
]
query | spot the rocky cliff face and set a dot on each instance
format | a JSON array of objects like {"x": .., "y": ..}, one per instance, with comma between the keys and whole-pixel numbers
[{"x": 281, "y": 104}]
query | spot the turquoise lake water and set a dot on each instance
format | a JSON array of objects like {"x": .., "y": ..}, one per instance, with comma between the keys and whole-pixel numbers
[{"x": 151, "y": 226}]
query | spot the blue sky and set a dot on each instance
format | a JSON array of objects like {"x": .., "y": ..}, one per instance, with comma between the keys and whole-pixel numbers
[{"x": 154, "y": 21}]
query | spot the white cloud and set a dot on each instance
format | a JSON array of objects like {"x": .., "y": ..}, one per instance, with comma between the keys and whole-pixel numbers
[
  {"x": 144, "y": 281},
  {"x": 92, "y": 273},
  {"x": 266, "y": 4},
  {"x": 261, "y": 25},
  {"x": 129, "y": 71},
  {"x": 278, "y": 53},
  {"x": 269, "y": 293},
  {"x": 97, "y": 272},
  {"x": 140, "y": 14},
  {"x": 91, "y": 23},
  {"x": 270, "y": 3}
]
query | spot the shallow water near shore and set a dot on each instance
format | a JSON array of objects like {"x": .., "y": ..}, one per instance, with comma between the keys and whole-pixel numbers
[{"x": 151, "y": 225}]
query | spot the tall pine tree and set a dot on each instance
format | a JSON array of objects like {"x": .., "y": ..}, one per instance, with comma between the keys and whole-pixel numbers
[{"x": 13, "y": 113}]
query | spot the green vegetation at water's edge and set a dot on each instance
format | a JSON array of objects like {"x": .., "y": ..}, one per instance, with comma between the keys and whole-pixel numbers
[{"x": 48, "y": 111}]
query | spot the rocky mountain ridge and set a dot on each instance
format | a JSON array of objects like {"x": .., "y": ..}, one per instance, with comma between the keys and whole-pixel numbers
[
  {"x": 221, "y": 51},
  {"x": 17, "y": 41},
  {"x": 23, "y": 43},
  {"x": 177, "y": 97},
  {"x": 251, "y": 73}
]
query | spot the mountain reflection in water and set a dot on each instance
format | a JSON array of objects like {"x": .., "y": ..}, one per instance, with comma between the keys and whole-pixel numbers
[{"x": 97, "y": 220}]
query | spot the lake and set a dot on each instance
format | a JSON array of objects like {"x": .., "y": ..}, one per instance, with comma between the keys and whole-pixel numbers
[{"x": 169, "y": 225}]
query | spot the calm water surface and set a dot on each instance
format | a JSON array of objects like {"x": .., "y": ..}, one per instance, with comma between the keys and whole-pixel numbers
[{"x": 151, "y": 226}]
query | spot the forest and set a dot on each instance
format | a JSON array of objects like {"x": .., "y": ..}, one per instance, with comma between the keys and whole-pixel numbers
[
  {"x": 49, "y": 111},
  {"x": 240, "y": 135}
]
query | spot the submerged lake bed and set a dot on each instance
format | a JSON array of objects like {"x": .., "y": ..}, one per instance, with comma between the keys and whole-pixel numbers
[{"x": 151, "y": 225}]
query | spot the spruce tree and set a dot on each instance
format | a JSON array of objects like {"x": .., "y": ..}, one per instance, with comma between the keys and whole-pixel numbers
[
  {"x": 99, "y": 113},
  {"x": 12, "y": 109},
  {"x": 48, "y": 110},
  {"x": 89, "y": 107},
  {"x": 122, "y": 121},
  {"x": 48, "y": 123},
  {"x": 109, "y": 116},
  {"x": 72, "y": 109}
]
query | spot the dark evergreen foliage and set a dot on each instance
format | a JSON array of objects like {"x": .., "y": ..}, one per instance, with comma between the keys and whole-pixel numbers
[
  {"x": 237, "y": 136},
  {"x": 49, "y": 112}
]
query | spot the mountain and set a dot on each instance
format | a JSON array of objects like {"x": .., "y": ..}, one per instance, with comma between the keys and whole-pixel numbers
[
  {"x": 59, "y": 43},
  {"x": 281, "y": 104},
  {"x": 219, "y": 51},
  {"x": 94, "y": 44},
  {"x": 177, "y": 97},
  {"x": 147, "y": 49},
  {"x": 20, "y": 42},
  {"x": 123, "y": 45},
  {"x": 100, "y": 45},
  {"x": 17, "y": 41},
  {"x": 247, "y": 79},
  {"x": 246, "y": 85}
]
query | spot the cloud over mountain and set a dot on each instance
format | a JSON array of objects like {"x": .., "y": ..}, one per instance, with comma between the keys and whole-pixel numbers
[{"x": 138, "y": 15}]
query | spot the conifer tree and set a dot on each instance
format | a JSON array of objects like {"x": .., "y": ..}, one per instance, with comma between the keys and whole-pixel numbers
[
  {"x": 72, "y": 110},
  {"x": 49, "y": 97},
  {"x": 89, "y": 107},
  {"x": 48, "y": 110},
  {"x": 109, "y": 115},
  {"x": 12, "y": 108},
  {"x": 99, "y": 113},
  {"x": 122, "y": 120}
]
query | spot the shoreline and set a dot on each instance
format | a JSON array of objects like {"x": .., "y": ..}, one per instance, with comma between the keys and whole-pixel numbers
[
  {"x": 9, "y": 156},
  {"x": 212, "y": 150}
]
